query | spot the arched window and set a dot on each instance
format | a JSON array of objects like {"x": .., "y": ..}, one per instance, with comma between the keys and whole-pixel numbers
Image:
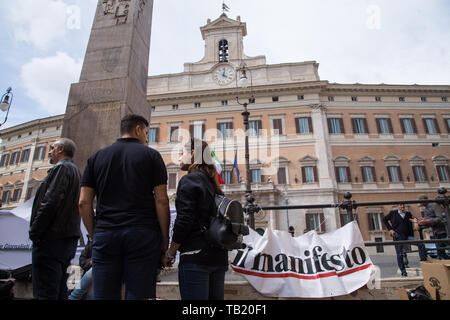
[{"x": 223, "y": 50}]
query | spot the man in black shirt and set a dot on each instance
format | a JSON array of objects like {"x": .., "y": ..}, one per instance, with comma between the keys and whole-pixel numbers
[
  {"x": 132, "y": 216},
  {"x": 400, "y": 225}
]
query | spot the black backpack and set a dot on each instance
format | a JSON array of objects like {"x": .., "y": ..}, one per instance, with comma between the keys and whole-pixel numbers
[{"x": 226, "y": 228}]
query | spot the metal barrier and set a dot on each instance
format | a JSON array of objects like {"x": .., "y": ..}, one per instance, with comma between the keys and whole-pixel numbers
[{"x": 350, "y": 205}]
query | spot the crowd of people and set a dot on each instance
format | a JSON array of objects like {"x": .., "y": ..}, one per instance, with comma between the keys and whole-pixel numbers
[{"x": 128, "y": 232}]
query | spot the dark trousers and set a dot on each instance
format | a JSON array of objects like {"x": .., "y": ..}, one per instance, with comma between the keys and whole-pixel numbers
[
  {"x": 128, "y": 255},
  {"x": 199, "y": 282},
  {"x": 400, "y": 248},
  {"x": 50, "y": 260},
  {"x": 441, "y": 252}
]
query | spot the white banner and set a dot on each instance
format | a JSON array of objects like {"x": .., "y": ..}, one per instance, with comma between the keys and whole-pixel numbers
[{"x": 310, "y": 266}]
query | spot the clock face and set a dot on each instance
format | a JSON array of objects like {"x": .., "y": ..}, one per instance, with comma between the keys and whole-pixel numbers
[{"x": 223, "y": 75}]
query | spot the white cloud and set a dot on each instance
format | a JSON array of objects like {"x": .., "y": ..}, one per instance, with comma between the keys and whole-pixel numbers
[
  {"x": 48, "y": 80},
  {"x": 39, "y": 23}
]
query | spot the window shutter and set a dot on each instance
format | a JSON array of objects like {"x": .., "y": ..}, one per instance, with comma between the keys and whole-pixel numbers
[
  {"x": 402, "y": 125},
  {"x": 370, "y": 221},
  {"x": 157, "y": 135},
  {"x": 336, "y": 172},
  {"x": 315, "y": 174},
  {"x": 329, "y": 125},
  {"x": 374, "y": 174},
  {"x": 425, "y": 175},
  {"x": 281, "y": 175},
  {"x": 322, "y": 222},
  {"x": 342, "y": 217},
  {"x": 424, "y": 121},
  {"x": 308, "y": 221},
  {"x": 378, "y": 125},
  {"x": 354, "y": 125},
  {"x": 366, "y": 127},
  {"x": 203, "y": 130},
  {"x": 447, "y": 124},
  {"x": 389, "y": 121},
  {"x": 297, "y": 125},
  {"x": 191, "y": 130},
  {"x": 363, "y": 175},
  {"x": 414, "y": 172},
  {"x": 349, "y": 176},
  {"x": 303, "y": 175},
  {"x": 259, "y": 127},
  {"x": 389, "y": 174},
  {"x": 436, "y": 125},
  {"x": 400, "y": 176},
  {"x": 310, "y": 126}
]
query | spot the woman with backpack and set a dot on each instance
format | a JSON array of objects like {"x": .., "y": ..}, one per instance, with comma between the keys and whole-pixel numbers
[{"x": 202, "y": 268}]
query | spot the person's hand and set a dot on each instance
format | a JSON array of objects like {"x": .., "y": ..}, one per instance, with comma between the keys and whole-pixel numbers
[
  {"x": 167, "y": 260},
  {"x": 414, "y": 220},
  {"x": 391, "y": 232},
  {"x": 424, "y": 221}
]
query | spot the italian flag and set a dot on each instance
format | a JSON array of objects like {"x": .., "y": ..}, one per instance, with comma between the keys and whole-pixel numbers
[{"x": 218, "y": 167}]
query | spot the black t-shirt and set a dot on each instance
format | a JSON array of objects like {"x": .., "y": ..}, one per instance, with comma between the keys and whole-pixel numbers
[{"x": 124, "y": 176}]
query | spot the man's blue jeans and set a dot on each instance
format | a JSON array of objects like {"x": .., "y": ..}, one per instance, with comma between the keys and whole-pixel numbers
[
  {"x": 129, "y": 255},
  {"x": 399, "y": 251},
  {"x": 199, "y": 282}
]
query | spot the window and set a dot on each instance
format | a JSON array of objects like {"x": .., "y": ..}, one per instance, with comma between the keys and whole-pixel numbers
[
  {"x": 153, "y": 108},
  {"x": 4, "y": 161},
  {"x": 256, "y": 176},
  {"x": 345, "y": 218},
  {"x": 330, "y": 98},
  {"x": 315, "y": 221},
  {"x": 25, "y": 155},
  {"x": 224, "y": 102},
  {"x": 380, "y": 249},
  {"x": 172, "y": 181},
  {"x": 401, "y": 99},
  {"x": 281, "y": 176},
  {"x": 153, "y": 135},
  {"x": 423, "y": 99},
  {"x": 443, "y": 173},
  {"x": 309, "y": 174},
  {"x": 175, "y": 107},
  {"x": 394, "y": 173},
  {"x": 14, "y": 158},
  {"x": 304, "y": 125},
  {"x": 300, "y": 97},
  {"x": 374, "y": 219},
  {"x": 368, "y": 174},
  {"x": 197, "y": 105},
  {"x": 174, "y": 134},
  {"x": 384, "y": 126},
  {"x": 420, "y": 174},
  {"x": 408, "y": 125},
  {"x": 343, "y": 174},
  {"x": 223, "y": 50},
  {"x": 359, "y": 125},
  {"x": 225, "y": 129},
  {"x": 277, "y": 127},
  {"x": 254, "y": 127},
  {"x": 335, "y": 126},
  {"x": 29, "y": 193},
  {"x": 354, "y": 98},
  {"x": 39, "y": 153},
  {"x": 6, "y": 195},
  {"x": 16, "y": 195},
  {"x": 444, "y": 99},
  {"x": 378, "y": 99},
  {"x": 431, "y": 126},
  {"x": 447, "y": 122},
  {"x": 197, "y": 130},
  {"x": 275, "y": 99}
]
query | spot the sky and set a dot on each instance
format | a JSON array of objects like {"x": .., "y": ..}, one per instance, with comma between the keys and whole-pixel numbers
[{"x": 354, "y": 41}]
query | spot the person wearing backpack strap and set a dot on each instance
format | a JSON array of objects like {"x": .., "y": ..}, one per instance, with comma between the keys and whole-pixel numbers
[{"x": 202, "y": 267}]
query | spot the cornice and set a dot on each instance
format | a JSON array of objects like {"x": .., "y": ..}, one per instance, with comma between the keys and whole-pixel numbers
[
  {"x": 386, "y": 88},
  {"x": 32, "y": 124}
]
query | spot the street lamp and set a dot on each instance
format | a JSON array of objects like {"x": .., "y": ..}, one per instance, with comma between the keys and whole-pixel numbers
[
  {"x": 243, "y": 83},
  {"x": 5, "y": 103}
]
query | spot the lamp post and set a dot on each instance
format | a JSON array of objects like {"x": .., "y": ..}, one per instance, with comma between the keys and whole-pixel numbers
[
  {"x": 244, "y": 83},
  {"x": 5, "y": 103}
]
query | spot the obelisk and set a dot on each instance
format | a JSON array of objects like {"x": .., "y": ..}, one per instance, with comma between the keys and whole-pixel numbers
[{"x": 113, "y": 81}]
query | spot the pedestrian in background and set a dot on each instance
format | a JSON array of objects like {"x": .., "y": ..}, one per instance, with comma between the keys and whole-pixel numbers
[
  {"x": 55, "y": 223},
  {"x": 400, "y": 222}
]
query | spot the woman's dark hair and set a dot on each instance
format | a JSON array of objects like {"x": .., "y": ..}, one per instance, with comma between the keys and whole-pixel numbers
[
  {"x": 202, "y": 161},
  {"x": 129, "y": 122}
]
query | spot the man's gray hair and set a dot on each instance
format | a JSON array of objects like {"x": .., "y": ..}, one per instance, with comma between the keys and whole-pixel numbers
[{"x": 69, "y": 146}]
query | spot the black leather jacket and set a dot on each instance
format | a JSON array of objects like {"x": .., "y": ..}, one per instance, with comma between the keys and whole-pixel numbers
[{"x": 55, "y": 213}]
